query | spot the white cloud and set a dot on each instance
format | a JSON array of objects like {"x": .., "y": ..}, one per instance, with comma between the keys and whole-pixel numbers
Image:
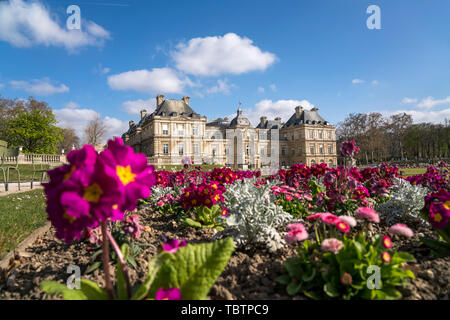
[
  {"x": 222, "y": 86},
  {"x": 105, "y": 70},
  {"x": 375, "y": 82},
  {"x": 273, "y": 87},
  {"x": 41, "y": 87},
  {"x": 228, "y": 54},
  {"x": 156, "y": 80},
  {"x": 24, "y": 24},
  {"x": 430, "y": 102},
  {"x": 135, "y": 106},
  {"x": 357, "y": 81},
  {"x": 78, "y": 119},
  {"x": 272, "y": 109},
  {"x": 260, "y": 89},
  {"x": 407, "y": 100},
  {"x": 72, "y": 105},
  {"x": 424, "y": 116}
]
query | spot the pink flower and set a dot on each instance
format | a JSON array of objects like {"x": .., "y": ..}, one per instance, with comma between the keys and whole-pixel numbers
[
  {"x": 342, "y": 226},
  {"x": 387, "y": 242},
  {"x": 402, "y": 230},
  {"x": 349, "y": 148},
  {"x": 296, "y": 232},
  {"x": 131, "y": 170},
  {"x": 131, "y": 226},
  {"x": 173, "y": 245},
  {"x": 160, "y": 203},
  {"x": 314, "y": 216},
  {"x": 386, "y": 257},
  {"x": 346, "y": 279},
  {"x": 332, "y": 245},
  {"x": 288, "y": 197},
  {"x": 329, "y": 218},
  {"x": 348, "y": 220},
  {"x": 168, "y": 294},
  {"x": 368, "y": 214}
]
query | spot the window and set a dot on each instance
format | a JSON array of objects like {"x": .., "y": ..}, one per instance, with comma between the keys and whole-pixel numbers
[
  {"x": 180, "y": 149},
  {"x": 262, "y": 151},
  {"x": 311, "y": 149},
  {"x": 292, "y": 137},
  {"x": 180, "y": 130},
  {"x": 283, "y": 151},
  {"x": 165, "y": 129},
  {"x": 320, "y": 134},
  {"x": 330, "y": 149},
  {"x": 321, "y": 149},
  {"x": 166, "y": 148},
  {"x": 214, "y": 151},
  {"x": 311, "y": 134},
  {"x": 293, "y": 151},
  {"x": 195, "y": 148},
  {"x": 195, "y": 130},
  {"x": 329, "y": 134},
  {"x": 312, "y": 162},
  {"x": 330, "y": 164},
  {"x": 300, "y": 151},
  {"x": 248, "y": 150}
]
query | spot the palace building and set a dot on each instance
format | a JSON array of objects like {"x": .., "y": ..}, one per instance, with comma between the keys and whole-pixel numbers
[{"x": 174, "y": 131}]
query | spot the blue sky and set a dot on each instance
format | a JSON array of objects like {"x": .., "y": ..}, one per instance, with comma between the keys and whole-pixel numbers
[{"x": 270, "y": 55}]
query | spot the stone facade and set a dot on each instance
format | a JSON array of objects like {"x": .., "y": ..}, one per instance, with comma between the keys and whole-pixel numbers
[{"x": 175, "y": 131}]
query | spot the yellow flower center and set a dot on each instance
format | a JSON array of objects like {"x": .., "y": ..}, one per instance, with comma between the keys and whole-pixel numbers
[
  {"x": 93, "y": 193},
  {"x": 69, "y": 217},
  {"x": 68, "y": 174},
  {"x": 437, "y": 217},
  {"x": 217, "y": 197},
  {"x": 115, "y": 207},
  {"x": 125, "y": 174},
  {"x": 447, "y": 205}
]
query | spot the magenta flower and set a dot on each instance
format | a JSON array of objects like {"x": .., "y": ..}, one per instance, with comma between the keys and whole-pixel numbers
[
  {"x": 332, "y": 245},
  {"x": 367, "y": 214},
  {"x": 173, "y": 245},
  {"x": 80, "y": 195},
  {"x": 131, "y": 170},
  {"x": 402, "y": 230},
  {"x": 131, "y": 226},
  {"x": 168, "y": 294},
  {"x": 296, "y": 232},
  {"x": 342, "y": 226},
  {"x": 349, "y": 148},
  {"x": 314, "y": 216}
]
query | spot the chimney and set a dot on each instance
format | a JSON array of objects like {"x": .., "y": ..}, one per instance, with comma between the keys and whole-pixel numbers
[
  {"x": 263, "y": 120},
  {"x": 278, "y": 119},
  {"x": 315, "y": 109},
  {"x": 186, "y": 99},
  {"x": 143, "y": 113},
  {"x": 131, "y": 122},
  {"x": 298, "y": 111},
  {"x": 159, "y": 100}
]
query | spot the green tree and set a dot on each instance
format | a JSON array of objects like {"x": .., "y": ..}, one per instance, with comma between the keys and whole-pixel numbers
[{"x": 31, "y": 125}]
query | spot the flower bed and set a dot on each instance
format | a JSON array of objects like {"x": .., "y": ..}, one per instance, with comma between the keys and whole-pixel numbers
[{"x": 307, "y": 232}]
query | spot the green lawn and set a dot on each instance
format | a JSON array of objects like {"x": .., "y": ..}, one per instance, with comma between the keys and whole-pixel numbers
[
  {"x": 205, "y": 167},
  {"x": 26, "y": 173},
  {"x": 20, "y": 215},
  {"x": 412, "y": 171}
]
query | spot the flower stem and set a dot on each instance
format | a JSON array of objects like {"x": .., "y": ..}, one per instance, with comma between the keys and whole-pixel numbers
[
  {"x": 122, "y": 262},
  {"x": 105, "y": 256}
]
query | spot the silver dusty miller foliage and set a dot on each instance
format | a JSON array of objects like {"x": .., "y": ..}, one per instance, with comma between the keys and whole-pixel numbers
[
  {"x": 254, "y": 219},
  {"x": 405, "y": 203},
  {"x": 158, "y": 192}
]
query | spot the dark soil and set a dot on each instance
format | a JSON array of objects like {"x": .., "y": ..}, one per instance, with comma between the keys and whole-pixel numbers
[{"x": 248, "y": 275}]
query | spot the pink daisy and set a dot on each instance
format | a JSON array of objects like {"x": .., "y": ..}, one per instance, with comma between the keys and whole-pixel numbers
[
  {"x": 368, "y": 214},
  {"x": 402, "y": 230}
]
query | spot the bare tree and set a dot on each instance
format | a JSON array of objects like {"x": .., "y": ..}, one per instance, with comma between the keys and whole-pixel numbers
[
  {"x": 95, "y": 131},
  {"x": 70, "y": 140}
]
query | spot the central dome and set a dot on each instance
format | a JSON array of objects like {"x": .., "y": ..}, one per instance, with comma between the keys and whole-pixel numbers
[{"x": 240, "y": 120}]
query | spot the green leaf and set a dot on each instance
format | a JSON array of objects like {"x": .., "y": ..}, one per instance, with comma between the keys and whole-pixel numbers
[
  {"x": 56, "y": 288},
  {"x": 95, "y": 266},
  {"x": 153, "y": 268},
  {"x": 293, "y": 288},
  {"x": 283, "y": 279},
  {"x": 74, "y": 295},
  {"x": 312, "y": 295},
  {"x": 192, "y": 223},
  {"x": 308, "y": 277},
  {"x": 330, "y": 289},
  {"x": 195, "y": 269},
  {"x": 92, "y": 291}
]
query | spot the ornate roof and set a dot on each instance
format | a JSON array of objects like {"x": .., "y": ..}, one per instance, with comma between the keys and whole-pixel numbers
[
  {"x": 240, "y": 120},
  {"x": 305, "y": 117},
  {"x": 219, "y": 122},
  {"x": 172, "y": 107}
]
